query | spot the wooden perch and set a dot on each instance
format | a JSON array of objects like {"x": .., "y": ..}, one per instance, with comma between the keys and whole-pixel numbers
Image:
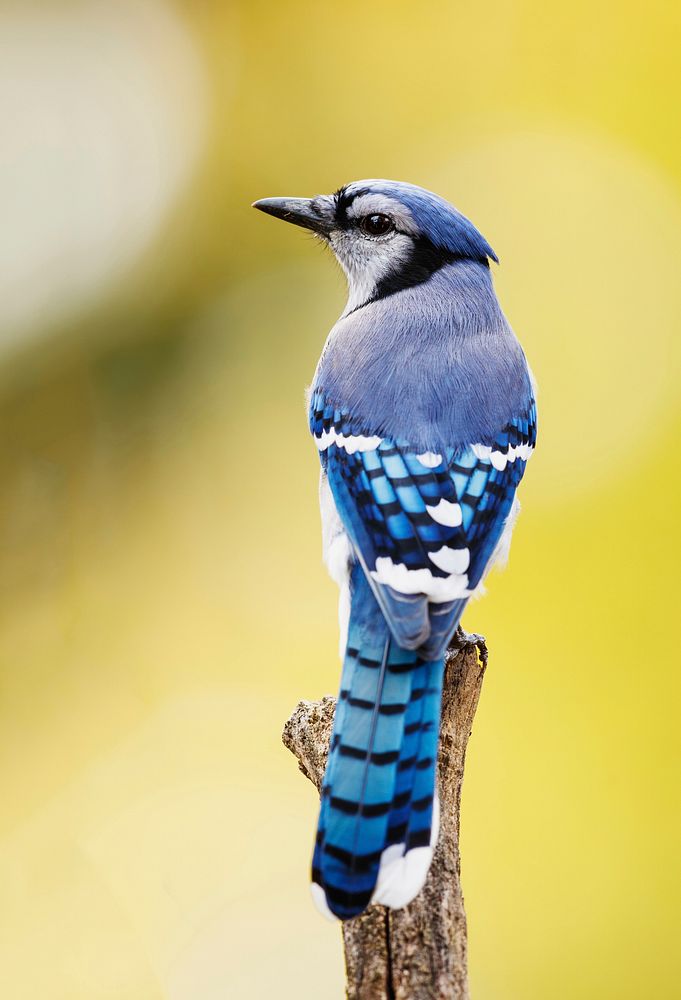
[{"x": 420, "y": 952}]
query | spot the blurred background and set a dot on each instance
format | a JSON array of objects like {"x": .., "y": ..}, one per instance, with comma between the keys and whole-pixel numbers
[{"x": 163, "y": 603}]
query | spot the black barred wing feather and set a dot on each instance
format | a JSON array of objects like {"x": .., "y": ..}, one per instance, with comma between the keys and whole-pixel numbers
[{"x": 425, "y": 525}]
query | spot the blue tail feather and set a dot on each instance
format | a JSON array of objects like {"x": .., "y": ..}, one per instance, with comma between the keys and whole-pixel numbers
[
  {"x": 420, "y": 818},
  {"x": 378, "y": 786},
  {"x": 406, "y": 768}
]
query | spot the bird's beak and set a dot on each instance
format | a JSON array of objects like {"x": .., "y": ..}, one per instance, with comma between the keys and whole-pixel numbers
[{"x": 305, "y": 212}]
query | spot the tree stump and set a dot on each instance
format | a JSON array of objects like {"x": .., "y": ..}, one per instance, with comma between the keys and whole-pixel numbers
[{"x": 419, "y": 952}]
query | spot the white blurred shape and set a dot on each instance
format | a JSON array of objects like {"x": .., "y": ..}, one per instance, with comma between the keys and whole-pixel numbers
[{"x": 102, "y": 111}]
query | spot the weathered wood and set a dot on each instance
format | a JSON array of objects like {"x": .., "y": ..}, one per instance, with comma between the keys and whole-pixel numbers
[{"x": 420, "y": 952}]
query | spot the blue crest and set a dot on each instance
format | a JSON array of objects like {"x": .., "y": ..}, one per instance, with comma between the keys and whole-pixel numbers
[{"x": 442, "y": 224}]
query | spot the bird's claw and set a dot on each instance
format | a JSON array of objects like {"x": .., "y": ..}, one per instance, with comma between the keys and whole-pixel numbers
[{"x": 462, "y": 641}]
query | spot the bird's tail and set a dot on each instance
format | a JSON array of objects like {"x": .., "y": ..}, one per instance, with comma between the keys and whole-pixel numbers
[{"x": 378, "y": 817}]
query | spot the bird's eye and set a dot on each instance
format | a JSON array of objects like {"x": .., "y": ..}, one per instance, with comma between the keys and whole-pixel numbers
[{"x": 376, "y": 225}]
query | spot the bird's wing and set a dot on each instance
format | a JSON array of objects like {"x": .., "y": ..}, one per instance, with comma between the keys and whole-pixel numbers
[{"x": 423, "y": 525}]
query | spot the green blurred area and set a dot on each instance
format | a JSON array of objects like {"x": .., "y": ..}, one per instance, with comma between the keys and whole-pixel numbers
[{"x": 164, "y": 605}]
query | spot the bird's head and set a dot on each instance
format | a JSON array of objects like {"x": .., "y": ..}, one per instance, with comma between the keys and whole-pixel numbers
[{"x": 387, "y": 235}]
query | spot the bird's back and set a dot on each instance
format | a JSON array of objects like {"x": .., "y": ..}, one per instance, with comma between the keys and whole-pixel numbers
[{"x": 436, "y": 365}]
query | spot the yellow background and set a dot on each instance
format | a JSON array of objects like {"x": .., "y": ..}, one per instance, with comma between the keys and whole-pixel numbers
[{"x": 164, "y": 605}]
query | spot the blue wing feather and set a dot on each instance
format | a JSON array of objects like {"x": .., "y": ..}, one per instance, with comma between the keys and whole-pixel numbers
[{"x": 386, "y": 495}]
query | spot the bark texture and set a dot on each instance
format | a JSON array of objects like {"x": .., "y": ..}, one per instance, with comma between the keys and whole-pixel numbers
[{"x": 420, "y": 952}]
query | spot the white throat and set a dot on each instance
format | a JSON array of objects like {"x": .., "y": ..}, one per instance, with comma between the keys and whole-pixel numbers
[{"x": 368, "y": 262}]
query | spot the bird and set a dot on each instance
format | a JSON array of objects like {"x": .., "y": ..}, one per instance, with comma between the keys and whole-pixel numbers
[{"x": 423, "y": 411}]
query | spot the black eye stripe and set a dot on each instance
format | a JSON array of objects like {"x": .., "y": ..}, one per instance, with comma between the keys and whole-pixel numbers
[{"x": 344, "y": 200}]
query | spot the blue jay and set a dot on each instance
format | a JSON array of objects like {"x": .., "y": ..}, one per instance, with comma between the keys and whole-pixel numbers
[{"x": 422, "y": 408}]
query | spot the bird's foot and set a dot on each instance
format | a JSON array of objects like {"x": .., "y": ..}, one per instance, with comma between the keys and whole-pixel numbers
[{"x": 462, "y": 641}]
